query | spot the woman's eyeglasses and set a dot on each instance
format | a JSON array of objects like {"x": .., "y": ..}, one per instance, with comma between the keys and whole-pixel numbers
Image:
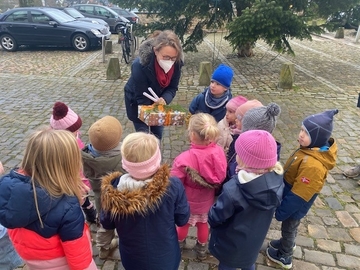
[{"x": 165, "y": 57}]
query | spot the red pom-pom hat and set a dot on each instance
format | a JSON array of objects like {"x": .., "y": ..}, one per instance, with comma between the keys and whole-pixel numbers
[{"x": 64, "y": 118}]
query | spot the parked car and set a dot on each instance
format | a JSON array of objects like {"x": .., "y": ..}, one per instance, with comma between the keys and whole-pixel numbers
[
  {"x": 114, "y": 20},
  {"x": 131, "y": 16},
  {"x": 78, "y": 16},
  {"x": 44, "y": 26}
]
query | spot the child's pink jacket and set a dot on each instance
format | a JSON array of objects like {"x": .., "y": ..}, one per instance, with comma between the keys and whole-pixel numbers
[{"x": 210, "y": 162}]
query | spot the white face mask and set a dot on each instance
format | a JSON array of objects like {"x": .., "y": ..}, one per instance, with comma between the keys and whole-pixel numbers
[{"x": 166, "y": 65}]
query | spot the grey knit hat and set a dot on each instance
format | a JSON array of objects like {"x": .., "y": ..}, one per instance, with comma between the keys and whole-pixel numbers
[{"x": 261, "y": 118}]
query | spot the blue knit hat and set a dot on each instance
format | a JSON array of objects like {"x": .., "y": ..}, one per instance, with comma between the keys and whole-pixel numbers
[
  {"x": 319, "y": 127},
  {"x": 223, "y": 75}
]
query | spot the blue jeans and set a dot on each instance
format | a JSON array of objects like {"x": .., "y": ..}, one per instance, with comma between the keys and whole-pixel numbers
[
  {"x": 224, "y": 267},
  {"x": 156, "y": 130}
]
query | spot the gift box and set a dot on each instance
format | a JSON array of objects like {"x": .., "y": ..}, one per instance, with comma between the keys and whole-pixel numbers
[{"x": 162, "y": 115}]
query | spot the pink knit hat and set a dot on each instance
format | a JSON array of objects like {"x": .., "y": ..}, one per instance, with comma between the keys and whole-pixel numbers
[
  {"x": 235, "y": 102},
  {"x": 257, "y": 149},
  {"x": 242, "y": 109},
  {"x": 64, "y": 118},
  {"x": 145, "y": 169}
]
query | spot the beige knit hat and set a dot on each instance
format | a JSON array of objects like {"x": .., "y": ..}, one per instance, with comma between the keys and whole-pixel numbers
[{"x": 105, "y": 134}]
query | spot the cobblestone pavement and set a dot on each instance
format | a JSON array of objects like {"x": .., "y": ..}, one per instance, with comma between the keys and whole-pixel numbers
[{"x": 327, "y": 75}]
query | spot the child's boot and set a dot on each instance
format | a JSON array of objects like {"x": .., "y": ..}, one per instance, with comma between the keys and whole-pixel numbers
[
  {"x": 200, "y": 250},
  {"x": 352, "y": 172},
  {"x": 276, "y": 256}
]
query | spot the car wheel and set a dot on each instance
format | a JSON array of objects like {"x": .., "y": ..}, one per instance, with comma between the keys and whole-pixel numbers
[
  {"x": 8, "y": 43},
  {"x": 80, "y": 42}
]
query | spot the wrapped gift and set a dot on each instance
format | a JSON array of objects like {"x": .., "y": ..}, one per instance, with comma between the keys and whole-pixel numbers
[{"x": 162, "y": 115}]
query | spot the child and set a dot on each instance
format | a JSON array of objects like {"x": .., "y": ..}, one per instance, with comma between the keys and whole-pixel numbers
[
  {"x": 231, "y": 154},
  {"x": 9, "y": 259},
  {"x": 242, "y": 214},
  {"x": 201, "y": 169},
  {"x": 305, "y": 174},
  {"x": 214, "y": 98},
  {"x": 262, "y": 118},
  {"x": 100, "y": 157},
  {"x": 144, "y": 206},
  {"x": 40, "y": 203},
  {"x": 227, "y": 126},
  {"x": 65, "y": 118}
]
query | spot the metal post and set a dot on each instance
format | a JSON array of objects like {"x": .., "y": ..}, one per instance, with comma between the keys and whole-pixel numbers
[
  {"x": 357, "y": 35},
  {"x": 103, "y": 49}
]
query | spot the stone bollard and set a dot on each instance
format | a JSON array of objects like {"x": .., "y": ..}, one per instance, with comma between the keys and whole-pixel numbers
[
  {"x": 287, "y": 76},
  {"x": 113, "y": 69},
  {"x": 108, "y": 46},
  {"x": 205, "y": 74},
  {"x": 339, "y": 33}
]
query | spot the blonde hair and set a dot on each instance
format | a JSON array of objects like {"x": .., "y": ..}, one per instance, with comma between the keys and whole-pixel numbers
[
  {"x": 139, "y": 146},
  {"x": 167, "y": 38},
  {"x": 52, "y": 159},
  {"x": 204, "y": 126}
]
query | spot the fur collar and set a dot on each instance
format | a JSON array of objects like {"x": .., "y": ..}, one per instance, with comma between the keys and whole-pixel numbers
[
  {"x": 146, "y": 52},
  {"x": 138, "y": 201}
]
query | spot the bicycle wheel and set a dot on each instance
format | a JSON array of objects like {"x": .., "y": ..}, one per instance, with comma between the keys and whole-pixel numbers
[{"x": 125, "y": 51}]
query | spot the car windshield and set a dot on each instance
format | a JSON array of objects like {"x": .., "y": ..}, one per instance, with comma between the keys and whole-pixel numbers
[
  {"x": 60, "y": 16},
  {"x": 74, "y": 13}
]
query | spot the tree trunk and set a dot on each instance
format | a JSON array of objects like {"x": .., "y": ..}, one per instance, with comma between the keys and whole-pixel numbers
[{"x": 245, "y": 51}]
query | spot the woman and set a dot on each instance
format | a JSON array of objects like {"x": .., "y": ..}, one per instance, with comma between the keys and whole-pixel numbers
[{"x": 159, "y": 67}]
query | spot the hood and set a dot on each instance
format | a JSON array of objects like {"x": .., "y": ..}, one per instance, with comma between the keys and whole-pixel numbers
[
  {"x": 95, "y": 167},
  {"x": 138, "y": 201},
  {"x": 17, "y": 198},
  {"x": 146, "y": 52},
  {"x": 327, "y": 158},
  {"x": 264, "y": 192}
]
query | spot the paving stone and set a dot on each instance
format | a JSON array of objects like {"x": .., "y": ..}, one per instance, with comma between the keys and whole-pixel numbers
[
  {"x": 328, "y": 245},
  {"x": 317, "y": 231},
  {"x": 346, "y": 219},
  {"x": 318, "y": 257},
  {"x": 339, "y": 234},
  {"x": 329, "y": 221},
  {"x": 352, "y": 249},
  {"x": 348, "y": 261},
  {"x": 334, "y": 203},
  {"x": 355, "y": 233},
  {"x": 352, "y": 208}
]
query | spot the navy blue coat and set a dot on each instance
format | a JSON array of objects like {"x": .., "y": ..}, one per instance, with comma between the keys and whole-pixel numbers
[
  {"x": 61, "y": 216},
  {"x": 198, "y": 105},
  {"x": 143, "y": 76},
  {"x": 241, "y": 217},
  {"x": 145, "y": 220}
]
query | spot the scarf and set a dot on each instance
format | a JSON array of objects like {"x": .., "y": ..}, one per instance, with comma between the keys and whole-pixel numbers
[
  {"x": 214, "y": 102},
  {"x": 162, "y": 77}
]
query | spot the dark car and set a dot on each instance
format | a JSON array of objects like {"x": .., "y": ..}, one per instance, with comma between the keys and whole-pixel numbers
[
  {"x": 43, "y": 26},
  {"x": 131, "y": 16},
  {"x": 114, "y": 20},
  {"x": 78, "y": 16}
]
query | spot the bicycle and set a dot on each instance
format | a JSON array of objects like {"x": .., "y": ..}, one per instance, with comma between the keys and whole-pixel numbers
[{"x": 127, "y": 41}]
